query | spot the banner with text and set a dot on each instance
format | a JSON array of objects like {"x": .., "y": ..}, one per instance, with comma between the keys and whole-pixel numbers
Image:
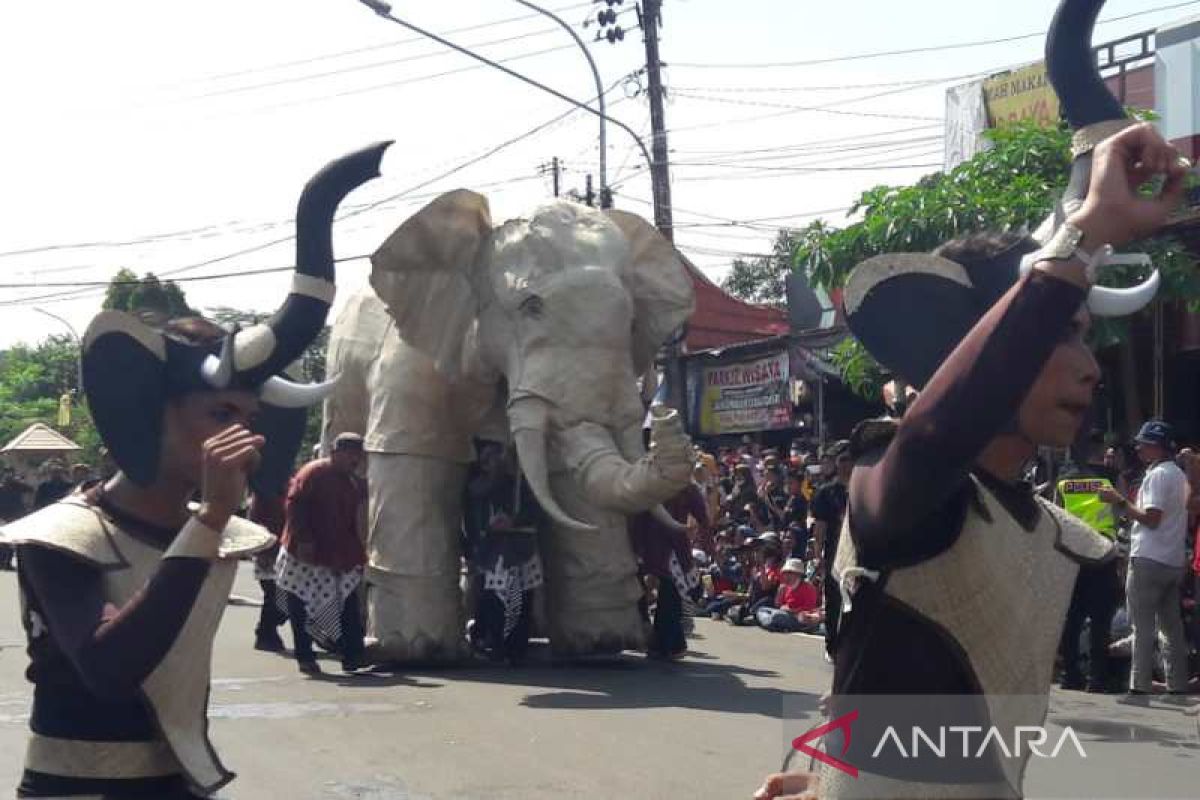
[
  {"x": 1021, "y": 94},
  {"x": 746, "y": 396}
]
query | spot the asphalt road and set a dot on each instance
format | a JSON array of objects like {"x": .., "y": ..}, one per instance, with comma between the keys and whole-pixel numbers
[{"x": 709, "y": 727}]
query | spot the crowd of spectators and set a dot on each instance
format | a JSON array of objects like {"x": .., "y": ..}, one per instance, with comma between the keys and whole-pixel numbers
[{"x": 773, "y": 517}]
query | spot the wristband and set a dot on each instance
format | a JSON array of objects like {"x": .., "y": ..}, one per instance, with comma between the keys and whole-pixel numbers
[{"x": 195, "y": 540}]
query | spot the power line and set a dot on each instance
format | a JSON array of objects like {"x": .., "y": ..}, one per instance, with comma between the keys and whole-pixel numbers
[
  {"x": 803, "y": 170},
  {"x": 830, "y": 88},
  {"x": 192, "y": 278},
  {"x": 371, "y": 48},
  {"x": 407, "y": 81},
  {"x": 914, "y": 50},
  {"x": 814, "y": 143},
  {"x": 296, "y": 79},
  {"x": 186, "y": 234},
  {"x": 81, "y": 293}
]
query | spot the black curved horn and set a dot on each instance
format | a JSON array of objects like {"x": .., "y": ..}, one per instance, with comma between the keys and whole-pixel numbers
[
  {"x": 303, "y": 313},
  {"x": 1071, "y": 65},
  {"x": 1085, "y": 99}
]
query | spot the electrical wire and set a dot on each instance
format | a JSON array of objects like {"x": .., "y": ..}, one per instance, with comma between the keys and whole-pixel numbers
[
  {"x": 384, "y": 11},
  {"x": 914, "y": 50},
  {"x": 832, "y": 88},
  {"x": 81, "y": 293},
  {"x": 371, "y": 48},
  {"x": 186, "y": 234},
  {"x": 297, "y": 79}
]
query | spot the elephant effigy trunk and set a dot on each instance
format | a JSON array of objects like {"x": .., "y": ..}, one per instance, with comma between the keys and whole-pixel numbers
[
  {"x": 613, "y": 475},
  {"x": 629, "y": 440},
  {"x": 529, "y": 418}
]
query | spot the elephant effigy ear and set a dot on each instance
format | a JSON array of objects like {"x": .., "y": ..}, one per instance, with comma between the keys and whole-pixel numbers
[
  {"x": 659, "y": 282},
  {"x": 123, "y": 367},
  {"x": 424, "y": 273}
]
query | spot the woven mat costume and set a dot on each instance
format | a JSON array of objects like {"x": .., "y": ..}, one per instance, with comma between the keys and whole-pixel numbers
[
  {"x": 120, "y": 614},
  {"x": 953, "y": 581}
]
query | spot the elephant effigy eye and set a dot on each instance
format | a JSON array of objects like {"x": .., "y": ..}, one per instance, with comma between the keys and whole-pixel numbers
[{"x": 532, "y": 306}]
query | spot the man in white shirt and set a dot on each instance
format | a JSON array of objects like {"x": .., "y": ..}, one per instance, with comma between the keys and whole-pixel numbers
[{"x": 1156, "y": 566}]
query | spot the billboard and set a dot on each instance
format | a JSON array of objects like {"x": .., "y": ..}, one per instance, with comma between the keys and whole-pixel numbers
[
  {"x": 1021, "y": 94},
  {"x": 743, "y": 396}
]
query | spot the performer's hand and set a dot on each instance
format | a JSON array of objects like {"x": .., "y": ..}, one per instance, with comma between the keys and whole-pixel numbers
[
  {"x": 1114, "y": 211},
  {"x": 229, "y": 458},
  {"x": 790, "y": 786},
  {"x": 1111, "y": 496}
]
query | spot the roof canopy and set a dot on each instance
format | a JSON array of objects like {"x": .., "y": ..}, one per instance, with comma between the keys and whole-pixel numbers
[
  {"x": 39, "y": 438},
  {"x": 720, "y": 319}
]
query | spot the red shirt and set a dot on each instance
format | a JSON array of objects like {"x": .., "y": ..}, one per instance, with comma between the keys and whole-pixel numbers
[
  {"x": 322, "y": 517},
  {"x": 801, "y": 597}
]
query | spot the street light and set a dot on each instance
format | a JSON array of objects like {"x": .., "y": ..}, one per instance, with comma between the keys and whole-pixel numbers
[
  {"x": 605, "y": 198},
  {"x": 384, "y": 10},
  {"x": 70, "y": 327}
]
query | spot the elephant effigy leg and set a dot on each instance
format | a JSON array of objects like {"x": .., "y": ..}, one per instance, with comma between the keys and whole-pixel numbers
[
  {"x": 592, "y": 590},
  {"x": 414, "y": 601}
]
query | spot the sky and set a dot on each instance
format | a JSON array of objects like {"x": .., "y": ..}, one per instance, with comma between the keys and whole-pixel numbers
[{"x": 175, "y": 138}]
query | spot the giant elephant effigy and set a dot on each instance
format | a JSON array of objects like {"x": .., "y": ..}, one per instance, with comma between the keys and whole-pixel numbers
[{"x": 532, "y": 332}]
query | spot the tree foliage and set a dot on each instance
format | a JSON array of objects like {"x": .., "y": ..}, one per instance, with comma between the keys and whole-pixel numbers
[
  {"x": 1012, "y": 185},
  {"x": 32, "y": 381},
  {"x": 763, "y": 280},
  {"x": 127, "y": 292}
]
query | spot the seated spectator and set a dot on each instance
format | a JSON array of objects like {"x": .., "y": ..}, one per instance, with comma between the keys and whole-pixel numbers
[
  {"x": 764, "y": 580},
  {"x": 797, "y": 606}
]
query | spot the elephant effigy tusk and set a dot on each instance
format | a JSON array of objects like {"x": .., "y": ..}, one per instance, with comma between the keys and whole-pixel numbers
[
  {"x": 1105, "y": 302},
  {"x": 286, "y": 394},
  {"x": 531, "y": 450}
]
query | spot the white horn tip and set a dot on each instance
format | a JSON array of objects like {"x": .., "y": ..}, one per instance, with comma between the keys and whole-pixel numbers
[
  {"x": 1105, "y": 302},
  {"x": 286, "y": 394}
]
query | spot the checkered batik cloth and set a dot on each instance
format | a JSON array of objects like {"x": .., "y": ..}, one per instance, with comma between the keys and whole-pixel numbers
[
  {"x": 510, "y": 585},
  {"x": 323, "y": 590}
]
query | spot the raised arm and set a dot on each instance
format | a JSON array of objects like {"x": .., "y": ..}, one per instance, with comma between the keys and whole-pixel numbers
[{"x": 977, "y": 392}]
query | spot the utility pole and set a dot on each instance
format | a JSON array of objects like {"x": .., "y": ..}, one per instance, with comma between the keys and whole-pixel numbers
[
  {"x": 660, "y": 173},
  {"x": 555, "y": 170}
]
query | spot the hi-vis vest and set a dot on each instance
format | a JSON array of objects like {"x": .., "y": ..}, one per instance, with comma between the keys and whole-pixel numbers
[
  {"x": 176, "y": 691},
  {"x": 1079, "y": 496}
]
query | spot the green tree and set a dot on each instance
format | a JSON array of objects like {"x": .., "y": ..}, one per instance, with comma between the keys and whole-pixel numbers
[
  {"x": 32, "y": 381},
  {"x": 763, "y": 280},
  {"x": 119, "y": 294},
  {"x": 127, "y": 292},
  {"x": 1012, "y": 185}
]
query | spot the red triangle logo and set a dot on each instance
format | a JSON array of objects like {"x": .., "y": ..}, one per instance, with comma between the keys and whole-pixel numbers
[{"x": 842, "y": 723}]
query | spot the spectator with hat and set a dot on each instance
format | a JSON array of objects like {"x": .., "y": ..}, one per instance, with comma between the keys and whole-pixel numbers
[
  {"x": 797, "y": 607},
  {"x": 1157, "y": 558}
]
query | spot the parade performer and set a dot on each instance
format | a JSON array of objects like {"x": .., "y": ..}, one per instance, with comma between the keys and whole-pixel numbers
[
  {"x": 123, "y": 586},
  {"x": 321, "y": 555},
  {"x": 956, "y": 577},
  {"x": 503, "y": 515},
  {"x": 665, "y": 555}
]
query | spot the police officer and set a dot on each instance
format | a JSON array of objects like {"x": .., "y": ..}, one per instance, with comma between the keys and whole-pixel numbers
[{"x": 1097, "y": 589}]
